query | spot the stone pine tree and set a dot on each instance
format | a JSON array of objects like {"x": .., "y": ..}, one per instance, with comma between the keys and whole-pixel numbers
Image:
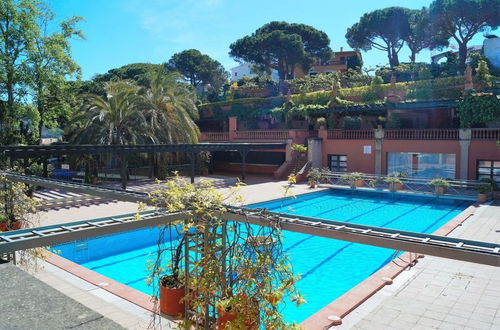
[
  {"x": 421, "y": 35},
  {"x": 383, "y": 29},
  {"x": 460, "y": 20},
  {"x": 198, "y": 69},
  {"x": 283, "y": 46}
]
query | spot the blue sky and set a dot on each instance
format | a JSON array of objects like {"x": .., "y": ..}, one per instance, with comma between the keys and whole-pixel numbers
[{"x": 120, "y": 32}]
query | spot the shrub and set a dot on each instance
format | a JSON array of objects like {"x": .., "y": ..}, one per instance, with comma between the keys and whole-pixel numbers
[{"x": 477, "y": 109}]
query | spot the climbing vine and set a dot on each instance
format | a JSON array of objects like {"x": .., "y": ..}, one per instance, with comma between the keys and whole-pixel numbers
[{"x": 477, "y": 109}]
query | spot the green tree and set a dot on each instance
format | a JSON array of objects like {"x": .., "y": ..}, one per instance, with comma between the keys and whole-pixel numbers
[
  {"x": 283, "y": 46},
  {"x": 135, "y": 72},
  {"x": 382, "y": 29},
  {"x": 421, "y": 35},
  {"x": 170, "y": 110},
  {"x": 50, "y": 64},
  {"x": 460, "y": 20},
  {"x": 115, "y": 119},
  {"x": 18, "y": 30},
  {"x": 197, "y": 68}
]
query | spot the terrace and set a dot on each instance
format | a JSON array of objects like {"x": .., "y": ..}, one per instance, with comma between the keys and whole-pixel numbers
[{"x": 371, "y": 309}]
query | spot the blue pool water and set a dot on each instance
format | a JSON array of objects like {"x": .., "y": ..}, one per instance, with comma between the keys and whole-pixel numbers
[{"x": 328, "y": 267}]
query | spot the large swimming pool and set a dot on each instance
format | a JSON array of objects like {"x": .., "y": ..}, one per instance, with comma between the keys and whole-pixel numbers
[{"x": 329, "y": 268}]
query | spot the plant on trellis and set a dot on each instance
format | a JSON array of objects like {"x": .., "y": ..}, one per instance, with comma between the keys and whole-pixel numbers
[
  {"x": 237, "y": 274},
  {"x": 478, "y": 108}
]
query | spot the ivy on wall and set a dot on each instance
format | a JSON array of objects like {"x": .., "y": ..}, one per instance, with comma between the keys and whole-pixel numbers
[{"x": 478, "y": 109}]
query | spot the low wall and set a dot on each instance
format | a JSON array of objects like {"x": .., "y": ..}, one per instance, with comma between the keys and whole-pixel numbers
[{"x": 249, "y": 168}]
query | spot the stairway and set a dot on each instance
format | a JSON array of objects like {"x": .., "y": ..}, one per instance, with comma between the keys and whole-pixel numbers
[{"x": 294, "y": 167}]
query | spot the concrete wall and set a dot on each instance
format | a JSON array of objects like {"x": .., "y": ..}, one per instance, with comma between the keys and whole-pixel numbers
[
  {"x": 481, "y": 150},
  {"x": 357, "y": 161}
]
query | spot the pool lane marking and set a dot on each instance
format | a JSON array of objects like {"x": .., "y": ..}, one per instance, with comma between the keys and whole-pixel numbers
[
  {"x": 324, "y": 261},
  {"x": 435, "y": 222},
  {"x": 384, "y": 204}
]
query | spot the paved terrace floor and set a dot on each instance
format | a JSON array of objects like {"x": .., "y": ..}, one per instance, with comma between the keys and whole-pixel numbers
[
  {"x": 436, "y": 293},
  {"x": 440, "y": 293},
  {"x": 27, "y": 303},
  {"x": 94, "y": 298}
]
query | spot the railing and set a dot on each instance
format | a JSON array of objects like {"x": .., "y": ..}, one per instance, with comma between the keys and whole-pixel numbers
[
  {"x": 263, "y": 135},
  {"x": 214, "y": 136},
  {"x": 485, "y": 134},
  {"x": 422, "y": 134},
  {"x": 313, "y": 134},
  {"x": 465, "y": 188},
  {"x": 360, "y": 134}
]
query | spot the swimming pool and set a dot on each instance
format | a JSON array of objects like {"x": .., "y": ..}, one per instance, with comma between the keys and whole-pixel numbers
[{"x": 329, "y": 268}]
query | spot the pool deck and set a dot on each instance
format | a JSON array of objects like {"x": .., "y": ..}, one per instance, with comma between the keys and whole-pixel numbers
[
  {"x": 414, "y": 301},
  {"x": 440, "y": 293}
]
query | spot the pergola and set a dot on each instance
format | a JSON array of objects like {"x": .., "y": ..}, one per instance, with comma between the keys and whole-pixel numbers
[{"x": 34, "y": 151}]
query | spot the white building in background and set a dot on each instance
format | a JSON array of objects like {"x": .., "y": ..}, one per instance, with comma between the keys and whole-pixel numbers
[
  {"x": 245, "y": 70},
  {"x": 491, "y": 49}
]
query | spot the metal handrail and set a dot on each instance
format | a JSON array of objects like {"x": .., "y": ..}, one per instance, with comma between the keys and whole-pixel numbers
[{"x": 420, "y": 185}]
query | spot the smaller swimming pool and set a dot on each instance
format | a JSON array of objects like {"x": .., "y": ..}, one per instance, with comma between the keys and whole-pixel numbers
[{"x": 328, "y": 267}]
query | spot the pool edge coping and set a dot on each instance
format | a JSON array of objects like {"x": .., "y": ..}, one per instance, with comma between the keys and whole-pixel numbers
[{"x": 339, "y": 307}]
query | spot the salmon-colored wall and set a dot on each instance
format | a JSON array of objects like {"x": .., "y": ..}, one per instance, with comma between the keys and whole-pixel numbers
[
  {"x": 481, "y": 150},
  {"x": 428, "y": 146},
  {"x": 356, "y": 160},
  {"x": 249, "y": 168}
]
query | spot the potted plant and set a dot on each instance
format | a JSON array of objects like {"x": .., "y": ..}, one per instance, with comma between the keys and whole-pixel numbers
[
  {"x": 321, "y": 122},
  {"x": 172, "y": 288},
  {"x": 16, "y": 208},
  {"x": 373, "y": 183},
  {"x": 354, "y": 179},
  {"x": 240, "y": 274},
  {"x": 299, "y": 150},
  {"x": 325, "y": 175},
  {"x": 395, "y": 181},
  {"x": 495, "y": 192},
  {"x": 484, "y": 189},
  {"x": 440, "y": 185},
  {"x": 173, "y": 197},
  {"x": 314, "y": 177}
]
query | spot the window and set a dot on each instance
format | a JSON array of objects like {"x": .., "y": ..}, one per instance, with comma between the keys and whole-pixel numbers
[
  {"x": 337, "y": 163},
  {"x": 422, "y": 165},
  {"x": 313, "y": 73},
  {"x": 488, "y": 169}
]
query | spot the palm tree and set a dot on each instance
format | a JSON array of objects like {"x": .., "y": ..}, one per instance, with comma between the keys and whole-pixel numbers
[
  {"x": 170, "y": 110},
  {"x": 115, "y": 119}
]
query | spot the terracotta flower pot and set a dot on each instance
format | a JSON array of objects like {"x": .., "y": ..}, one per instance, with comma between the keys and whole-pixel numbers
[
  {"x": 16, "y": 225},
  {"x": 170, "y": 301},
  {"x": 482, "y": 198},
  {"x": 440, "y": 190},
  {"x": 359, "y": 183},
  {"x": 225, "y": 317},
  {"x": 395, "y": 186},
  {"x": 3, "y": 226}
]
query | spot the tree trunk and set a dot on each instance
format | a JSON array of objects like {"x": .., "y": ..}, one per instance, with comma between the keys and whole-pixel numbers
[
  {"x": 393, "y": 57},
  {"x": 413, "y": 56},
  {"x": 123, "y": 171},
  {"x": 462, "y": 54}
]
